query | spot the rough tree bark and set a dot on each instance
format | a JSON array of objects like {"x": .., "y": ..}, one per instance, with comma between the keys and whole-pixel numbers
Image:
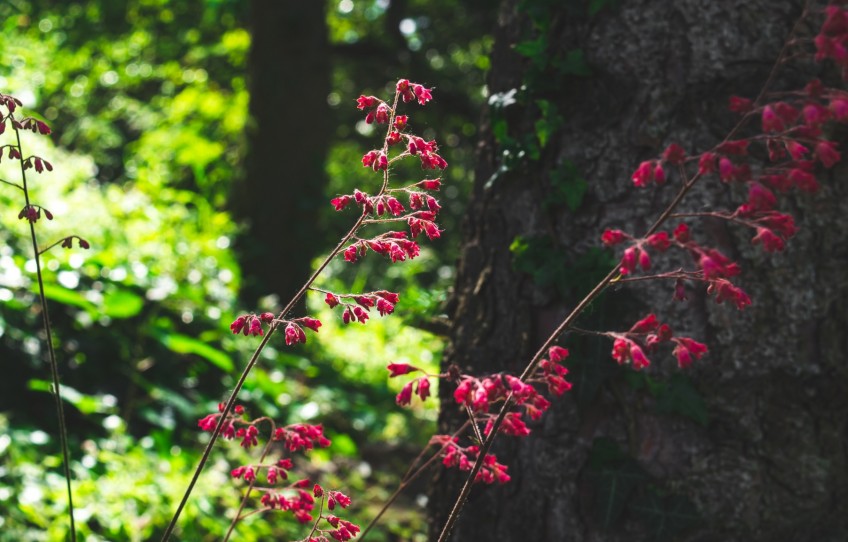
[
  {"x": 771, "y": 463},
  {"x": 288, "y": 137}
]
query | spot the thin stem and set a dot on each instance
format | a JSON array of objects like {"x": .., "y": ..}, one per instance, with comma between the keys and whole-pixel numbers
[
  {"x": 255, "y": 357},
  {"x": 252, "y": 482},
  {"x": 408, "y": 479},
  {"x": 4, "y": 181},
  {"x": 591, "y": 296},
  {"x": 54, "y": 366},
  {"x": 45, "y": 249},
  {"x": 240, "y": 383}
]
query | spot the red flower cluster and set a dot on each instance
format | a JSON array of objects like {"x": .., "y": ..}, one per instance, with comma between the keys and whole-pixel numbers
[
  {"x": 454, "y": 455},
  {"x": 647, "y": 335},
  {"x": 358, "y": 311}
]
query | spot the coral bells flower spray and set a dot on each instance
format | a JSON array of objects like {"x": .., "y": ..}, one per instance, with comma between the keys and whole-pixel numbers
[{"x": 407, "y": 213}]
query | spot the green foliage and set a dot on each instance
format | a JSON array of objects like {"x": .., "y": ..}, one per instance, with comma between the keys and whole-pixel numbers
[
  {"x": 666, "y": 515},
  {"x": 614, "y": 477},
  {"x": 567, "y": 186},
  {"x": 552, "y": 267},
  {"x": 676, "y": 395}
]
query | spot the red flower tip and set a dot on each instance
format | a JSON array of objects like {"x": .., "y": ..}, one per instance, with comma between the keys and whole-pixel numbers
[
  {"x": 557, "y": 353},
  {"x": 398, "y": 369},
  {"x": 613, "y": 237},
  {"x": 740, "y": 105},
  {"x": 674, "y": 154}
]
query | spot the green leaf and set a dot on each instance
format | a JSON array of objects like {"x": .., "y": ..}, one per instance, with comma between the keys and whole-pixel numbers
[
  {"x": 573, "y": 63},
  {"x": 615, "y": 477},
  {"x": 666, "y": 517},
  {"x": 535, "y": 50},
  {"x": 679, "y": 396},
  {"x": 122, "y": 303},
  {"x": 183, "y": 344},
  {"x": 87, "y": 404},
  {"x": 595, "y": 6},
  {"x": 567, "y": 186},
  {"x": 500, "y": 130},
  {"x": 68, "y": 297}
]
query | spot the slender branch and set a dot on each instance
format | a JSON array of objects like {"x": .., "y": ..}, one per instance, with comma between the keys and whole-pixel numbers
[
  {"x": 408, "y": 479},
  {"x": 591, "y": 296},
  {"x": 255, "y": 357},
  {"x": 54, "y": 366},
  {"x": 4, "y": 181},
  {"x": 250, "y": 487}
]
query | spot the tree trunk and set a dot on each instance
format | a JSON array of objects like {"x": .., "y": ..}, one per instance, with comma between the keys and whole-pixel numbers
[
  {"x": 750, "y": 443},
  {"x": 288, "y": 137}
]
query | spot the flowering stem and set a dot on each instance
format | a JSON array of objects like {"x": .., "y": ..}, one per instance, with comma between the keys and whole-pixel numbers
[
  {"x": 228, "y": 408},
  {"x": 410, "y": 476},
  {"x": 593, "y": 294},
  {"x": 54, "y": 366},
  {"x": 250, "y": 487}
]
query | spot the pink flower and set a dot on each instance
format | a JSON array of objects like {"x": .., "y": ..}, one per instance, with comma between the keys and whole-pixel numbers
[
  {"x": 364, "y": 102},
  {"x": 770, "y": 241},
  {"x": 613, "y": 237},
  {"x": 640, "y": 361},
  {"x": 815, "y": 115},
  {"x": 681, "y": 233},
  {"x": 659, "y": 174},
  {"x": 659, "y": 241},
  {"x": 382, "y": 114},
  {"x": 423, "y": 94},
  {"x": 430, "y": 184},
  {"x": 839, "y": 108},
  {"x": 643, "y": 174},
  {"x": 311, "y": 323},
  {"x": 726, "y": 170},
  {"x": 340, "y": 202},
  {"x": 405, "y": 396},
  {"x": 706, "y": 164},
  {"x": 686, "y": 349},
  {"x": 674, "y": 154},
  {"x": 384, "y": 307},
  {"x": 238, "y": 324},
  {"x": 398, "y": 369},
  {"x": 557, "y": 353},
  {"x": 331, "y": 299},
  {"x": 628, "y": 260},
  {"x": 827, "y": 154},
  {"x": 646, "y": 324},
  {"x": 294, "y": 334},
  {"x": 740, "y": 105},
  {"x": 255, "y": 327},
  {"x": 423, "y": 388},
  {"x": 350, "y": 253},
  {"x": 771, "y": 121},
  {"x": 760, "y": 197},
  {"x": 796, "y": 150}
]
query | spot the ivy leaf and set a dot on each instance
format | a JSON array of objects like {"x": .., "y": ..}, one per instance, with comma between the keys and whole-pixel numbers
[
  {"x": 549, "y": 123},
  {"x": 679, "y": 396},
  {"x": 573, "y": 63},
  {"x": 535, "y": 50},
  {"x": 567, "y": 186}
]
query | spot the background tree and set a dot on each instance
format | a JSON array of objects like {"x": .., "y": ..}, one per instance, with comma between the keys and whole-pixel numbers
[
  {"x": 288, "y": 138},
  {"x": 749, "y": 445}
]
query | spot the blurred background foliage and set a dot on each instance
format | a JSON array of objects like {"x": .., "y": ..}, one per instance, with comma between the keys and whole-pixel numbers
[{"x": 149, "y": 101}]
